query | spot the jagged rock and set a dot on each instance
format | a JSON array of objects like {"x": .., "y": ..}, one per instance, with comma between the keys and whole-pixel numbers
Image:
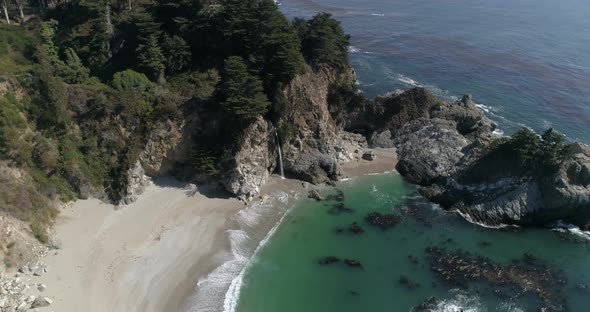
[
  {"x": 41, "y": 302},
  {"x": 531, "y": 200},
  {"x": 370, "y": 156},
  {"x": 314, "y": 148},
  {"x": 41, "y": 287},
  {"x": 382, "y": 140},
  {"x": 3, "y": 302},
  {"x": 23, "y": 306},
  {"x": 429, "y": 149},
  {"x": 314, "y": 194},
  {"x": 166, "y": 146},
  {"x": 137, "y": 182},
  {"x": 247, "y": 169}
]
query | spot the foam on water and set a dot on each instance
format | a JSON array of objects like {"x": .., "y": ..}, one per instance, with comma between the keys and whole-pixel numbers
[
  {"x": 561, "y": 226},
  {"x": 220, "y": 290},
  {"x": 460, "y": 302},
  {"x": 353, "y": 49}
]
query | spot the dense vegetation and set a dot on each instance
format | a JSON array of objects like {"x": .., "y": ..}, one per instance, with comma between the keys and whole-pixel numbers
[
  {"x": 523, "y": 154},
  {"x": 84, "y": 82}
]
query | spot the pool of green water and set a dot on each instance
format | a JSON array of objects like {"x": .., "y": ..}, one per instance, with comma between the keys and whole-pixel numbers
[{"x": 285, "y": 276}]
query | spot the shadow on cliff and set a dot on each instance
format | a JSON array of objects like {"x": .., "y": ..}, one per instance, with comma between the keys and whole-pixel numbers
[{"x": 209, "y": 190}]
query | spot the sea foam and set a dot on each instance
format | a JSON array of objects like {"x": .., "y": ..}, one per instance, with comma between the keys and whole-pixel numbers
[{"x": 220, "y": 290}]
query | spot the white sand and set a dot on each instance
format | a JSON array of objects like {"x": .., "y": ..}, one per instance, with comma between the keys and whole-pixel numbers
[
  {"x": 143, "y": 257},
  {"x": 148, "y": 256}
]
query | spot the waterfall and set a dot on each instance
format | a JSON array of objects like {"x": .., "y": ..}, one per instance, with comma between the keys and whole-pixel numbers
[{"x": 280, "y": 154}]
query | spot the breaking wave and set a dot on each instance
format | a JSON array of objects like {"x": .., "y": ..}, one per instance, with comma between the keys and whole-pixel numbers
[
  {"x": 220, "y": 290},
  {"x": 561, "y": 226}
]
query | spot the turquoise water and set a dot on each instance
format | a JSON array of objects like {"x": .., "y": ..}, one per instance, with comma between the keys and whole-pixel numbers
[
  {"x": 285, "y": 274},
  {"x": 527, "y": 62}
]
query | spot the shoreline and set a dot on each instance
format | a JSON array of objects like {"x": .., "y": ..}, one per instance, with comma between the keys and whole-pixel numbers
[{"x": 149, "y": 255}]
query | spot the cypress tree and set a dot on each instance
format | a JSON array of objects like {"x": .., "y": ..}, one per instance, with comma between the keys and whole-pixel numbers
[{"x": 242, "y": 92}]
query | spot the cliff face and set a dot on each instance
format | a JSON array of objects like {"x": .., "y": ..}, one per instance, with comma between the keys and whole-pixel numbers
[
  {"x": 249, "y": 166},
  {"x": 315, "y": 144},
  {"x": 441, "y": 147},
  {"x": 524, "y": 200}
]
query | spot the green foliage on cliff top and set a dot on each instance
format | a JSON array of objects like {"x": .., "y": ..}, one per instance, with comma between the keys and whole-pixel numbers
[
  {"x": 95, "y": 80},
  {"x": 523, "y": 154},
  {"x": 242, "y": 92}
]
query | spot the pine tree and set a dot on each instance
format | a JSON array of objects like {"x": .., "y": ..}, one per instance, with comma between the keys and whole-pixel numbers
[
  {"x": 74, "y": 72},
  {"x": 325, "y": 41},
  {"x": 242, "y": 92},
  {"x": 177, "y": 54},
  {"x": 151, "y": 59}
]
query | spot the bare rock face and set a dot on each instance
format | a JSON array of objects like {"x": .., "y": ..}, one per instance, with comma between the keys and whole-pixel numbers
[
  {"x": 162, "y": 149},
  {"x": 429, "y": 149},
  {"x": 137, "y": 182},
  {"x": 249, "y": 167},
  {"x": 522, "y": 200},
  {"x": 314, "y": 148},
  {"x": 383, "y": 140}
]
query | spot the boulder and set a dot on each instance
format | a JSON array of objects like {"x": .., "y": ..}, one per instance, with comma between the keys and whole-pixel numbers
[
  {"x": 314, "y": 194},
  {"x": 41, "y": 302},
  {"x": 370, "y": 156},
  {"x": 382, "y": 140}
]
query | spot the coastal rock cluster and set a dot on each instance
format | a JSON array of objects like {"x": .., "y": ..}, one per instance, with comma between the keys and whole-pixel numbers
[
  {"x": 517, "y": 279},
  {"x": 442, "y": 146},
  {"x": 16, "y": 290},
  {"x": 439, "y": 143}
]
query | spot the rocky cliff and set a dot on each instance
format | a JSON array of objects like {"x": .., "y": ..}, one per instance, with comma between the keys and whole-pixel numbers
[
  {"x": 254, "y": 160},
  {"x": 444, "y": 147},
  {"x": 314, "y": 142}
]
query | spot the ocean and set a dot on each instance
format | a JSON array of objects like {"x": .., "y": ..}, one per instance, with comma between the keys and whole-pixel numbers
[{"x": 527, "y": 64}]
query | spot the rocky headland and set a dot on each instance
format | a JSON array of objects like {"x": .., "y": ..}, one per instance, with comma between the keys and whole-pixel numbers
[{"x": 446, "y": 148}]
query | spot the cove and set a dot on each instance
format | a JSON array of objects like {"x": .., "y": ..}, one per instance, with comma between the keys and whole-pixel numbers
[{"x": 397, "y": 268}]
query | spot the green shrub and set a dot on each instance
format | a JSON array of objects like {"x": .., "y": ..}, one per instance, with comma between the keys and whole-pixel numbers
[{"x": 131, "y": 80}]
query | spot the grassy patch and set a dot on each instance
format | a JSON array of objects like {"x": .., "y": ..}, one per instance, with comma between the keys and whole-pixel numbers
[{"x": 16, "y": 48}]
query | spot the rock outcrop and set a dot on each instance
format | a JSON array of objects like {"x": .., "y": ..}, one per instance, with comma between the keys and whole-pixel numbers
[
  {"x": 162, "y": 149},
  {"x": 523, "y": 200},
  {"x": 314, "y": 148},
  {"x": 137, "y": 182},
  {"x": 440, "y": 145},
  {"x": 247, "y": 169}
]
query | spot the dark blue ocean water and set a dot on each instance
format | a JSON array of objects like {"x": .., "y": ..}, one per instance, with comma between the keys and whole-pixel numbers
[{"x": 527, "y": 62}]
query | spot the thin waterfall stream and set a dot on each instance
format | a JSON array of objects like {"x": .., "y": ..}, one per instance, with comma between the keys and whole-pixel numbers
[{"x": 280, "y": 154}]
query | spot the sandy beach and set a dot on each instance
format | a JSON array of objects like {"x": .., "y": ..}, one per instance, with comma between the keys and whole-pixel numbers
[{"x": 148, "y": 256}]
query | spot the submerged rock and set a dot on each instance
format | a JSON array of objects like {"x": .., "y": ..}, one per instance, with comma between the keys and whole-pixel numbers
[
  {"x": 407, "y": 282},
  {"x": 339, "y": 196},
  {"x": 353, "y": 263},
  {"x": 382, "y": 221},
  {"x": 329, "y": 260},
  {"x": 525, "y": 276},
  {"x": 314, "y": 194},
  {"x": 356, "y": 229},
  {"x": 339, "y": 208}
]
